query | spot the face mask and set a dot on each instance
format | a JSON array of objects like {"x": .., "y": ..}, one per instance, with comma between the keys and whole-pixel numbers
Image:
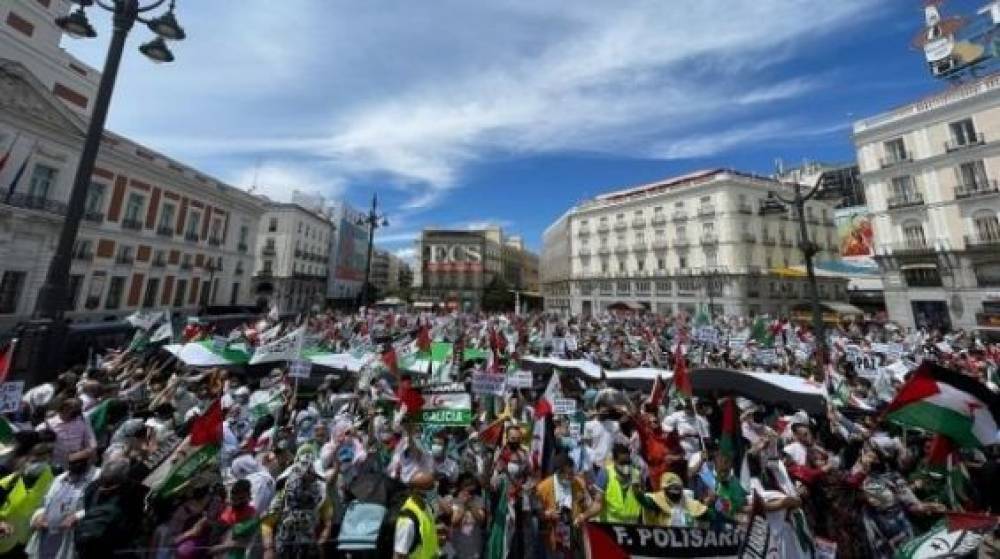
[
  {"x": 437, "y": 450},
  {"x": 514, "y": 445},
  {"x": 675, "y": 494},
  {"x": 513, "y": 469},
  {"x": 611, "y": 426},
  {"x": 77, "y": 468},
  {"x": 623, "y": 469}
]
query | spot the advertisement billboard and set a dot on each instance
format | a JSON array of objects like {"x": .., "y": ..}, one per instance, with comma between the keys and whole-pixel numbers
[
  {"x": 855, "y": 234},
  {"x": 352, "y": 251},
  {"x": 955, "y": 46}
]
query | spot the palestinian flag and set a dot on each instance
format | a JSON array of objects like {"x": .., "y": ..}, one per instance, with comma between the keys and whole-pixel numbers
[
  {"x": 542, "y": 431},
  {"x": 441, "y": 354},
  {"x": 502, "y": 530},
  {"x": 729, "y": 442},
  {"x": 197, "y": 455},
  {"x": 6, "y": 358},
  {"x": 206, "y": 353},
  {"x": 948, "y": 403}
]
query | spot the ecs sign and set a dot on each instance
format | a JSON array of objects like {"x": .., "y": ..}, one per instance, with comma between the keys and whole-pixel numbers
[{"x": 454, "y": 258}]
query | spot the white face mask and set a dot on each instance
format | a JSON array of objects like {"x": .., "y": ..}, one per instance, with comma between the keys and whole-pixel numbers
[
  {"x": 513, "y": 469},
  {"x": 437, "y": 450}
]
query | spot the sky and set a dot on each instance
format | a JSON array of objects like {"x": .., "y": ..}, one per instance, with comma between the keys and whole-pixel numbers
[{"x": 459, "y": 113}]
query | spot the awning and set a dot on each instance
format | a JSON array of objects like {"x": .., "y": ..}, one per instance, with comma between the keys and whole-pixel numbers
[
  {"x": 626, "y": 305},
  {"x": 842, "y": 308}
]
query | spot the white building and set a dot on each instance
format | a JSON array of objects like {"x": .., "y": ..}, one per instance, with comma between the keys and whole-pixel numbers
[
  {"x": 28, "y": 35},
  {"x": 674, "y": 244},
  {"x": 390, "y": 273},
  {"x": 292, "y": 257},
  {"x": 156, "y": 233},
  {"x": 930, "y": 170}
]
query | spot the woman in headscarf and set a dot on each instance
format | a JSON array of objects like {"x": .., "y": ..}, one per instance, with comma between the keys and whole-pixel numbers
[
  {"x": 297, "y": 507},
  {"x": 671, "y": 506}
]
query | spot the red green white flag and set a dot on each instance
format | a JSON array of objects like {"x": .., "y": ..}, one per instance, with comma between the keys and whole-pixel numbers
[{"x": 949, "y": 403}]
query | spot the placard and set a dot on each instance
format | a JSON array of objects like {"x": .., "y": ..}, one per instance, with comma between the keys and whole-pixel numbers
[
  {"x": 707, "y": 334},
  {"x": 563, "y": 406},
  {"x": 488, "y": 383},
  {"x": 447, "y": 409},
  {"x": 737, "y": 342},
  {"x": 299, "y": 368},
  {"x": 520, "y": 379},
  {"x": 10, "y": 396},
  {"x": 626, "y": 540}
]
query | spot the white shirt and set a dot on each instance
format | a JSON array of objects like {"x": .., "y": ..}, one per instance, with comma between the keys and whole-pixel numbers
[
  {"x": 405, "y": 533},
  {"x": 601, "y": 440},
  {"x": 689, "y": 428},
  {"x": 798, "y": 452}
]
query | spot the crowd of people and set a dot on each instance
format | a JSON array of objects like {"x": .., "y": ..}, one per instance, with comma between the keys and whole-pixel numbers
[{"x": 142, "y": 454}]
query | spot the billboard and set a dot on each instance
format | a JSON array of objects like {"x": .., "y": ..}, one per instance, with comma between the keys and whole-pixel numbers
[
  {"x": 855, "y": 234},
  {"x": 352, "y": 251},
  {"x": 453, "y": 257},
  {"x": 956, "y": 45}
]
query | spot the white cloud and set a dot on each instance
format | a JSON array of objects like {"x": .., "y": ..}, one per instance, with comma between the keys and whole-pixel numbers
[
  {"x": 412, "y": 93},
  {"x": 409, "y": 254},
  {"x": 278, "y": 181}
]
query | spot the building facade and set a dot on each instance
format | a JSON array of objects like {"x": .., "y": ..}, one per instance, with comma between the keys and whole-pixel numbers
[
  {"x": 348, "y": 254},
  {"x": 156, "y": 234},
  {"x": 29, "y": 35},
  {"x": 930, "y": 170},
  {"x": 673, "y": 245},
  {"x": 390, "y": 273},
  {"x": 457, "y": 265},
  {"x": 293, "y": 257}
]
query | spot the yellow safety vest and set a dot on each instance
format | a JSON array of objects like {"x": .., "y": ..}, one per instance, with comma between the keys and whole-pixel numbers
[
  {"x": 428, "y": 548},
  {"x": 20, "y": 506},
  {"x": 620, "y": 504}
]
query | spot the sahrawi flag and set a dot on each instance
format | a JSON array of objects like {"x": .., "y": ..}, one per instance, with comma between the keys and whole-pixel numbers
[
  {"x": 948, "y": 403},
  {"x": 199, "y": 452},
  {"x": 542, "y": 431}
]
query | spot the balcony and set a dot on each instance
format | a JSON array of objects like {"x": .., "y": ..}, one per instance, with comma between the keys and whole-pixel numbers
[
  {"x": 989, "y": 242},
  {"x": 659, "y": 219},
  {"x": 242, "y": 247},
  {"x": 679, "y": 215},
  {"x": 988, "y": 319},
  {"x": 768, "y": 241},
  {"x": 707, "y": 210},
  {"x": 214, "y": 241},
  {"x": 165, "y": 231},
  {"x": 977, "y": 189},
  {"x": 682, "y": 242},
  {"x": 583, "y": 233},
  {"x": 955, "y": 144},
  {"x": 268, "y": 250},
  {"x": 159, "y": 263},
  {"x": 83, "y": 255},
  {"x": 621, "y": 249},
  {"x": 749, "y": 237},
  {"x": 124, "y": 260},
  {"x": 787, "y": 243},
  {"x": 660, "y": 244},
  {"x": 186, "y": 265},
  {"x": 39, "y": 203},
  {"x": 892, "y": 161},
  {"x": 638, "y": 222},
  {"x": 709, "y": 239},
  {"x": 93, "y": 217},
  {"x": 620, "y": 225},
  {"x": 583, "y": 251},
  {"x": 265, "y": 274},
  {"x": 604, "y": 249},
  {"x": 912, "y": 248},
  {"x": 745, "y": 208},
  {"x": 640, "y": 246},
  {"x": 191, "y": 237},
  {"x": 603, "y": 228},
  {"x": 132, "y": 224},
  {"x": 905, "y": 201}
]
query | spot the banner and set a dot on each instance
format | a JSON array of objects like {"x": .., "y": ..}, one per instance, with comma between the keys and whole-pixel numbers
[
  {"x": 447, "y": 409},
  {"x": 626, "y": 540},
  {"x": 564, "y": 406},
  {"x": 283, "y": 349},
  {"x": 487, "y": 383},
  {"x": 520, "y": 379},
  {"x": 10, "y": 396}
]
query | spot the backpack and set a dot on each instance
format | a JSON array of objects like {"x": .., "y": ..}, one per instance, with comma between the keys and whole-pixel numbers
[
  {"x": 98, "y": 521},
  {"x": 374, "y": 503}
]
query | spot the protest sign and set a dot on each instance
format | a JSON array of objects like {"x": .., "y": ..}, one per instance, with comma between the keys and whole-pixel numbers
[
  {"x": 299, "y": 368},
  {"x": 520, "y": 379},
  {"x": 738, "y": 342},
  {"x": 707, "y": 335},
  {"x": 626, "y": 540},
  {"x": 767, "y": 356},
  {"x": 564, "y": 406},
  {"x": 447, "y": 409},
  {"x": 10, "y": 395},
  {"x": 488, "y": 383}
]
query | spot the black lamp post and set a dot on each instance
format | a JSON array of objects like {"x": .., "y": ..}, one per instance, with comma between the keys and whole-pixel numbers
[
  {"x": 373, "y": 221},
  {"x": 53, "y": 298},
  {"x": 776, "y": 203}
]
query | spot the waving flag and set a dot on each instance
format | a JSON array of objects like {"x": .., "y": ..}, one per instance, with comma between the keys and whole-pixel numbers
[
  {"x": 389, "y": 359},
  {"x": 423, "y": 338},
  {"x": 682, "y": 380},
  {"x": 948, "y": 403},
  {"x": 6, "y": 358},
  {"x": 542, "y": 433}
]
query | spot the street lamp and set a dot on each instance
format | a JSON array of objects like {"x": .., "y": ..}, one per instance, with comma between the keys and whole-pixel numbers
[
  {"x": 776, "y": 203},
  {"x": 53, "y": 297},
  {"x": 373, "y": 220}
]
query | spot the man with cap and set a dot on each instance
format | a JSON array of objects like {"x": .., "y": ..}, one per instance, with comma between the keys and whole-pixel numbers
[{"x": 415, "y": 535}]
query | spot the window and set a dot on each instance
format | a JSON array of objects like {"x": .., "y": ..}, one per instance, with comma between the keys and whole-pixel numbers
[
  {"x": 963, "y": 133},
  {"x": 705, "y": 200},
  {"x": 922, "y": 277},
  {"x": 681, "y": 232},
  {"x": 95, "y": 198},
  {"x": 640, "y": 238},
  {"x": 972, "y": 175},
  {"x": 679, "y": 205},
  {"x": 300, "y": 228},
  {"x": 152, "y": 288},
  {"x": 621, "y": 266},
  {"x": 244, "y": 234},
  {"x": 272, "y": 225},
  {"x": 681, "y": 262},
  {"x": 42, "y": 179},
  {"x": 75, "y": 285},
  {"x": 914, "y": 236},
  {"x": 604, "y": 266},
  {"x": 125, "y": 255},
  {"x": 658, "y": 210},
  {"x": 903, "y": 188},
  {"x": 623, "y": 287},
  {"x": 81, "y": 249},
  {"x": 10, "y": 291},
  {"x": 620, "y": 217},
  {"x": 180, "y": 292},
  {"x": 620, "y": 239},
  {"x": 661, "y": 264},
  {"x": 216, "y": 234},
  {"x": 895, "y": 151},
  {"x": 192, "y": 224},
  {"x": 133, "y": 209},
  {"x": 637, "y": 213},
  {"x": 115, "y": 290},
  {"x": 987, "y": 228},
  {"x": 708, "y": 228},
  {"x": 234, "y": 297},
  {"x": 266, "y": 266},
  {"x": 167, "y": 217},
  {"x": 640, "y": 264},
  {"x": 711, "y": 258}
]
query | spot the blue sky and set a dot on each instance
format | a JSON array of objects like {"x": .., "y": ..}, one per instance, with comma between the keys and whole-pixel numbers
[{"x": 509, "y": 111}]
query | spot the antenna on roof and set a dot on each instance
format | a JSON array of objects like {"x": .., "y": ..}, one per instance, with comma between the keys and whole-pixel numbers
[{"x": 256, "y": 171}]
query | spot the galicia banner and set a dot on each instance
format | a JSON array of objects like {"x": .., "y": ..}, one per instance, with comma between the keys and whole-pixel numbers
[{"x": 626, "y": 541}]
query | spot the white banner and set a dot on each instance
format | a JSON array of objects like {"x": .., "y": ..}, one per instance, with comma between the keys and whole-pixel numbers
[
  {"x": 486, "y": 383},
  {"x": 10, "y": 395},
  {"x": 282, "y": 349},
  {"x": 520, "y": 379},
  {"x": 564, "y": 406}
]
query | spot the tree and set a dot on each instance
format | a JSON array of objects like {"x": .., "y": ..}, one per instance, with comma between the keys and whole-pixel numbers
[{"x": 497, "y": 297}]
